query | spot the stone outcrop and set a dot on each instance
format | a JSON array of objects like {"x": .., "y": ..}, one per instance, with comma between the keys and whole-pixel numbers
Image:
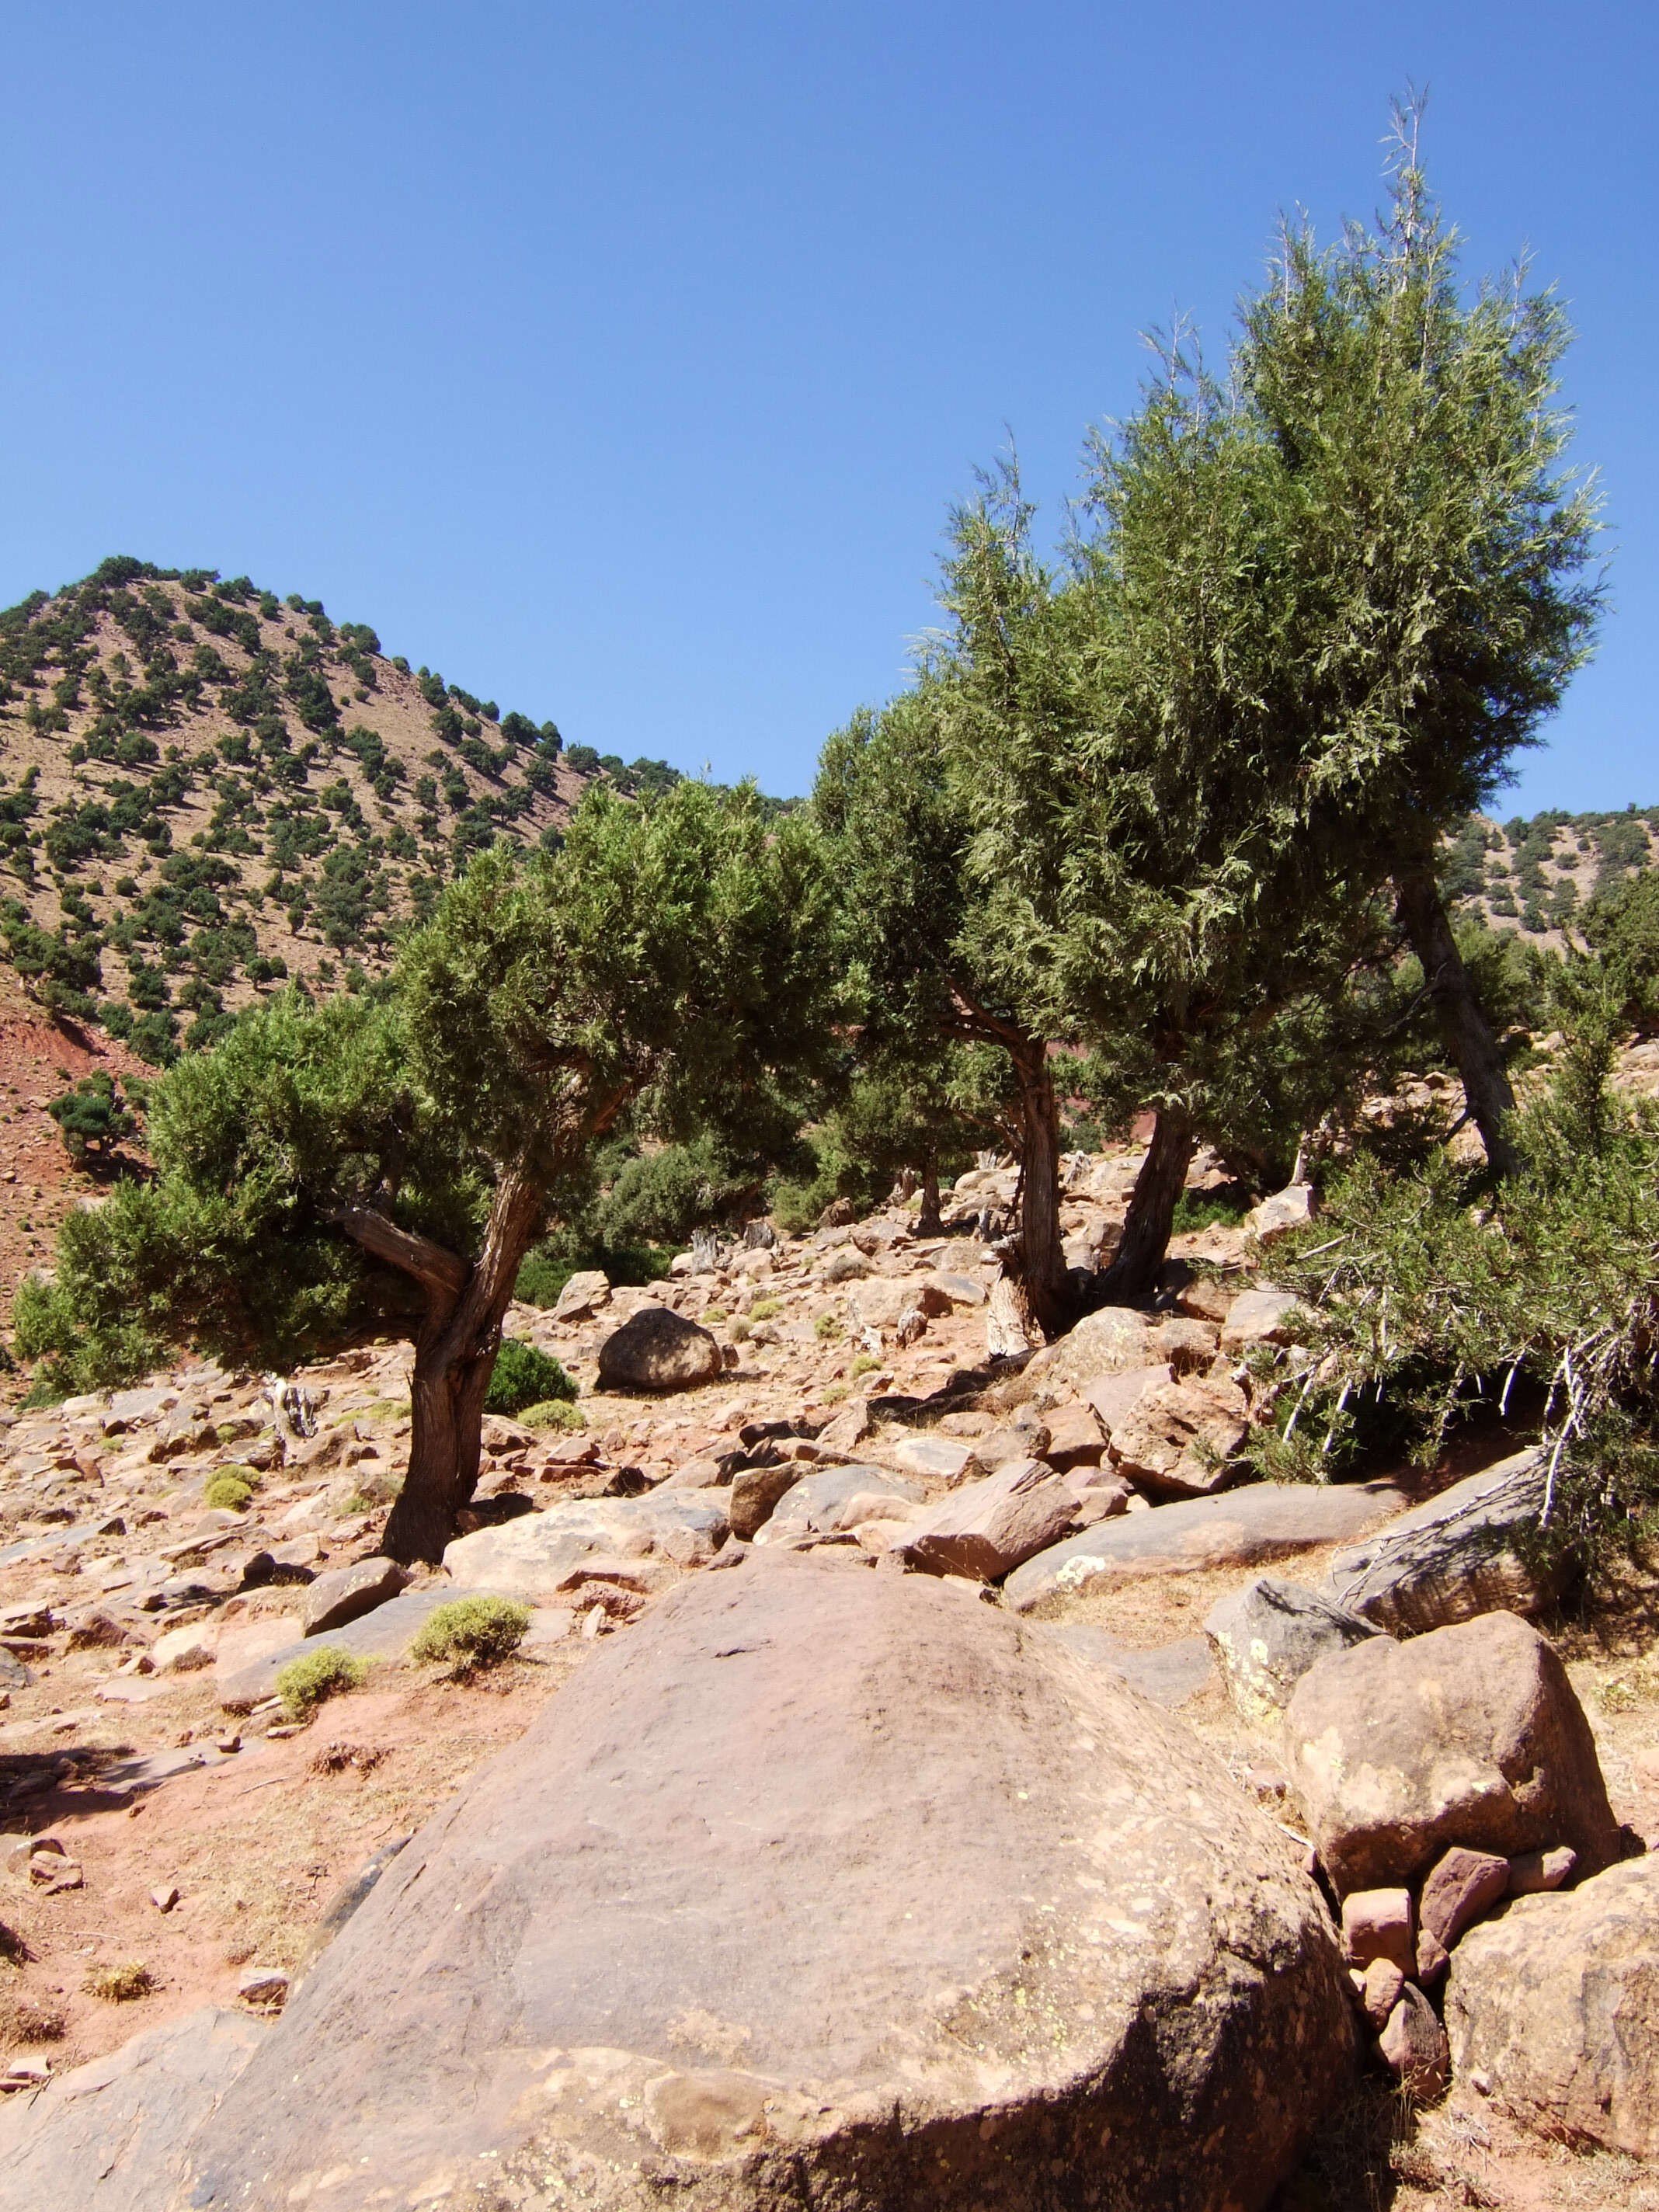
[
  {"x": 346, "y": 1593},
  {"x": 658, "y": 1349},
  {"x": 1259, "y": 1521},
  {"x": 621, "y": 1958},
  {"x": 1552, "y": 2008},
  {"x": 1179, "y": 1440},
  {"x": 535, "y": 1556},
  {"x": 834, "y": 1499},
  {"x": 1471, "y": 1735},
  {"x": 1269, "y": 1635},
  {"x": 1456, "y": 1556},
  {"x": 986, "y": 1529}
]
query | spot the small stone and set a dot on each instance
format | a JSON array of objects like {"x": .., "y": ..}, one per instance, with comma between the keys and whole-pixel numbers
[
  {"x": 21, "y": 1852},
  {"x": 1413, "y": 2044},
  {"x": 1459, "y": 1888},
  {"x": 1377, "y": 1924},
  {"x": 282, "y": 1728},
  {"x": 1533, "y": 1872},
  {"x": 164, "y": 1897},
  {"x": 226, "y": 1744},
  {"x": 1432, "y": 1957},
  {"x": 1381, "y": 1987},
  {"x": 266, "y": 1986},
  {"x": 51, "y": 1873}
]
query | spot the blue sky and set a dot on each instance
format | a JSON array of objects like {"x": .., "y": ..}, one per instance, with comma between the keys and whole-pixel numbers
[{"x": 622, "y": 363}]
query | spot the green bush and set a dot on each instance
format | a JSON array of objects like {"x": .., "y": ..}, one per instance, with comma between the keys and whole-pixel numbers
[
  {"x": 228, "y": 1489},
  {"x": 552, "y": 1413},
  {"x": 472, "y": 1632},
  {"x": 92, "y": 1116},
  {"x": 765, "y": 1309},
  {"x": 310, "y": 1680},
  {"x": 524, "y": 1376}
]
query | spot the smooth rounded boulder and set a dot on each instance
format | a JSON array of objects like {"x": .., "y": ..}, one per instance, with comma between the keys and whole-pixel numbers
[
  {"x": 1470, "y": 1735},
  {"x": 822, "y": 1885},
  {"x": 657, "y": 1349}
]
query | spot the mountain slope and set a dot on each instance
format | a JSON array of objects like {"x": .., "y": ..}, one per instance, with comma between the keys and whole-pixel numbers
[{"x": 202, "y": 789}]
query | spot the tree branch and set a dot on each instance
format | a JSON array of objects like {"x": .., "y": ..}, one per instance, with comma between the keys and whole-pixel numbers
[{"x": 431, "y": 1264}]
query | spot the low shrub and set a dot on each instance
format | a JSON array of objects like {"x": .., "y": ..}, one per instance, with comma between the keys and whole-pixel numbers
[
  {"x": 865, "y": 1363},
  {"x": 310, "y": 1680},
  {"x": 552, "y": 1413},
  {"x": 525, "y": 1375},
  {"x": 826, "y": 1328},
  {"x": 121, "y": 1984},
  {"x": 765, "y": 1309},
  {"x": 472, "y": 1632},
  {"x": 741, "y": 1326},
  {"x": 227, "y": 1490}
]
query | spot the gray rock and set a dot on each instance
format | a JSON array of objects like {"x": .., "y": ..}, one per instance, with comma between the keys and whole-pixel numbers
[
  {"x": 1555, "y": 2004},
  {"x": 1456, "y": 1556},
  {"x": 1413, "y": 2044},
  {"x": 1259, "y": 1521},
  {"x": 532, "y": 1557},
  {"x": 111, "y": 2135},
  {"x": 1263, "y": 1316},
  {"x": 1117, "y": 1340},
  {"x": 1469, "y": 1736},
  {"x": 583, "y": 1296},
  {"x": 985, "y": 1529},
  {"x": 1268, "y": 1634},
  {"x": 819, "y": 1503},
  {"x": 621, "y": 1958},
  {"x": 659, "y": 1349},
  {"x": 346, "y": 1593},
  {"x": 1168, "y": 1674}
]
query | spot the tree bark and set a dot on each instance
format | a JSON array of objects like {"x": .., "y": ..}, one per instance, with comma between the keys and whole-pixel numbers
[
  {"x": 1152, "y": 1203},
  {"x": 1043, "y": 1258},
  {"x": 454, "y": 1358},
  {"x": 1463, "y": 1025},
  {"x": 929, "y": 1221}
]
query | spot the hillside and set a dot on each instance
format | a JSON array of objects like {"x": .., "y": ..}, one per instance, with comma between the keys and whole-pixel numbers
[
  {"x": 203, "y": 790},
  {"x": 1534, "y": 875}
]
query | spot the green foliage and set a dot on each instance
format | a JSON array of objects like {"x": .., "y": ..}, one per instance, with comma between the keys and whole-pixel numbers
[
  {"x": 226, "y": 1488},
  {"x": 552, "y": 1413},
  {"x": 525, "y": 1375},
  {"x": 311, "y": 1680},
  {"x": 92, "y": 1116},
  {"x": 1197, "y": 1209},
  {"x": 1429, "y": 1308},
  {"x": 472, "y": 1632},
  {"x": 1623, "y": 930}
]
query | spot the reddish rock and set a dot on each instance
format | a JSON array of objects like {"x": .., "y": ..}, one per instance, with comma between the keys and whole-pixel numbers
[
  {"x": 1532, "y": 1873},
  {"x": 1462, "y": 1885},
  {"x": 1179, "y": 1440},
  {"x": 1377, "y": 1924},
  {"x": 1115, "y": 1397},
  {"x": 1381, "y": 1985},
  {"x": 985, "y": 1529},
  {"x": 1075, "y": 1437},
  {"x": 1470, "y": 1734}
]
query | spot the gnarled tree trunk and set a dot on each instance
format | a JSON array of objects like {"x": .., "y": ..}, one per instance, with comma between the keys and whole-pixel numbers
[
  {"x": 929, "y": 1221},
  {"x": 1463, "y": 1025},
  {"x": 454, "y": 1358},
  {"x": 1152, "y": 1203},
  {"x": 1042, "y": 1257}
]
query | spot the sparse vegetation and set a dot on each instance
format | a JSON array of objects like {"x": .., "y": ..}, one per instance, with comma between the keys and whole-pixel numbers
[
  {"x": 525, "y": 1375},
  {"x": 473, "y": 1632},
  {"x": 311, "y": 1680},
  {"x": 121, "y": 1984}
]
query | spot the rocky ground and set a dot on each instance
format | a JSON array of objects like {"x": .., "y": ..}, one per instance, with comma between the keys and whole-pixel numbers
[{"x": 866, "y": 1402}]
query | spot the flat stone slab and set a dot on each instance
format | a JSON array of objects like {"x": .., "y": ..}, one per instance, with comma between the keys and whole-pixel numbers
[
  {"x": 532, "y": 1556},
  {"x": 109, "y": 2136},
  {"x": 1168, "y": 1673},
  {"x": 1261, "y": 1520}
]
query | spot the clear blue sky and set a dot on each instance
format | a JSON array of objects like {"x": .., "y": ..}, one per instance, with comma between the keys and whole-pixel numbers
[{"x": 621, "y": 361}]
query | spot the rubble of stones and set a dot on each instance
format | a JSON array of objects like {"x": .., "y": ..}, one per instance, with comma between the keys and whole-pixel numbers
[{"x": 868, "y": 1388}]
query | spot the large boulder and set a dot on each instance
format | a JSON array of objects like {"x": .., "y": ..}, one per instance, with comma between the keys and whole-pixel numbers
[
  {"x": 1117, "y": 1340},
  {"x": 657, "y": 1349},
  {"x": 346, "y": 1593},
  {"x": 1555, "y": 2005},
  {"x": 1269, "y": 1634},
  {"x": 1456, "y": 1556},
  {"x": 537, "y": 1555},
  {"x": 1179, "y": 1440},
  {"x": 821, "y": 1887},
  {"x": 1469, "y": 1735},
  {"x": 985, "y": 1529},
  {"x": 1261, "y": 1520},
  {"x": 835, "y": 1498}
]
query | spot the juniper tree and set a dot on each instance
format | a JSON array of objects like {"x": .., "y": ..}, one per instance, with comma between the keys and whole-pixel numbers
[{"x": 398, "y": 1157}]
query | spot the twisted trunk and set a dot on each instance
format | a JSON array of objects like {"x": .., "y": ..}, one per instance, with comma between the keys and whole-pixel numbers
[
  {"x": 1043, "y": 1258},
  {"x": 1466, "y": 1033},
  {"x": 1152, "y": 1202},
  {"x": 454, "y": 1358},
  {"x": 929, "y": 1221}
]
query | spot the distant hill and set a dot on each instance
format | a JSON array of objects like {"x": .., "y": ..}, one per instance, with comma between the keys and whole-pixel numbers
[
  {"x": 204, "y": 789},
  {"x": 1535, "y": 875}
]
